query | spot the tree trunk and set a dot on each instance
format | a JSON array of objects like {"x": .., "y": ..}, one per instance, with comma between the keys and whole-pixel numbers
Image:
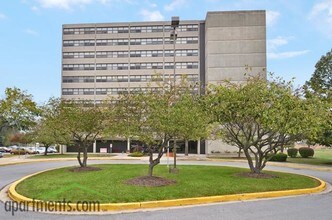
[
  {"x": 79, "y": 157},
  {"x": 254, "y": 169},
  {"x": 85, "y": 156},
  {"x": 239, "y": 153},
  {"x": 45, "y": 153},
  {"x": 150, "y": 173},
  {"x": 153, "y": 163},
  {"x": 186, "y": 148},
  {"x": 174, "y": 153}
]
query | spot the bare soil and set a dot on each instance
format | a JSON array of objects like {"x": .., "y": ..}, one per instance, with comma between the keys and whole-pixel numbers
[
  {"x": 257, "y": 175},
  {"x": 152, "y": 181},
  {"x": 84, "y": 169}
]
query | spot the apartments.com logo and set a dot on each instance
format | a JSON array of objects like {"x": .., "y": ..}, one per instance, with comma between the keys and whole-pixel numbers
[
  {"x": 51, "y": 206},
  {"x": 57, "y": 206}
]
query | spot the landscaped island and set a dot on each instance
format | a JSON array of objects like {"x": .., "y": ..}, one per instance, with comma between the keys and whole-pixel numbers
[{"x": 110, "y": 183}]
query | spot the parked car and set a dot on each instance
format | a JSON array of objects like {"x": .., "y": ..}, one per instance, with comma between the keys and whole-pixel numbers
[
  {"x": 13, "y": 147},
  {"x": 19, "y": 151},
  {"x": 31, "y": 150},
  {"x": 40, "y": 150},
  {"x": 52, "y": 149},
  {"x": 5, "y": 149}
]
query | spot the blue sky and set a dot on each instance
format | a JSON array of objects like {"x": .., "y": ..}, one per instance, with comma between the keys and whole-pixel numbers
[{"x": 298, "y": 33}]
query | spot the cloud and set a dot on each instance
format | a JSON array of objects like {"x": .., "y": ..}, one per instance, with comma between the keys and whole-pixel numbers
[
  {"x": 2, "y": 16},
  {"x": 321, "y": 16},
  {"x": 273, "y": 46},
  {"x": 288, "y": 54},
  {"x": 151, "y": 15},
  {"x": 35, "y": 9},
  {"x": 272, "y": 17},
  {"x": 63, "y": 4},
  {"x": 174, "y": 4},
  {"x": 31, "y": 32}
]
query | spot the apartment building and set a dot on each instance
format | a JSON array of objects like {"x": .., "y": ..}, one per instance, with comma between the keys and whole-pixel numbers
[{"x": 103, "y": 59}]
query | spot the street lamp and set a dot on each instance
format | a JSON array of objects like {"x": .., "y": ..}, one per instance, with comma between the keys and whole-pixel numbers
[{"x": 173, "y": 35}]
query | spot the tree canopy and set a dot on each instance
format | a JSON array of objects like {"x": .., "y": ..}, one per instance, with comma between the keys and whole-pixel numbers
[{"x": 260, "y": 117}]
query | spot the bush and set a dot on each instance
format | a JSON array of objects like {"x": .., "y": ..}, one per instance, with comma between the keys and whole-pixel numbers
[
  {"x": 306, "y": 152},
  {"x": 279, "y": 157},
  {"x": 292, "y": 152},
  {"x": 136, "y": 154}
]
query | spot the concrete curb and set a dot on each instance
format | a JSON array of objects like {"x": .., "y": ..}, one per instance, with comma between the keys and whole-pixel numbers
[{"x": 105, "y": 207}]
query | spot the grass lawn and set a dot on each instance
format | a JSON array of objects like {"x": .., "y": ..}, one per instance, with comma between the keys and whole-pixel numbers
[
  {"x": 11, "y": 155},
  {"x": 41, "y": 156},
  {"x": 107, "y": 185},
  {"x": 321, "y": 157}
]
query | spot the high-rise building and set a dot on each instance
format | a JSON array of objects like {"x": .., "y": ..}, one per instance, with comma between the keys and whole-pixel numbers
[{"x": 105, "y": 59}]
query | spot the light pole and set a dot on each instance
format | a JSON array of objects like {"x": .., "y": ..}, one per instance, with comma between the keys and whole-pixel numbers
[{"x": 173, "y": 35}]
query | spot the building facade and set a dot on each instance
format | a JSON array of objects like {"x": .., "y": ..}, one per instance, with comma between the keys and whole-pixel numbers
[{"x": 99, "y": 60}]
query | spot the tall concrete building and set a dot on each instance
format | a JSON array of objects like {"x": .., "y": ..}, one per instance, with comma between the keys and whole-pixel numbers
[{"x": 105, "y": 59}]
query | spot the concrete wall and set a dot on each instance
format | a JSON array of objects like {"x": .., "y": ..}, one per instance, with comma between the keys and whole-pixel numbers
[{"x": 233, "y": 40}]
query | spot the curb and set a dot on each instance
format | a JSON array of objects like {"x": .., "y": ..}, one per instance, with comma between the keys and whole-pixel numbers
[{"x": 104, "y": 207}]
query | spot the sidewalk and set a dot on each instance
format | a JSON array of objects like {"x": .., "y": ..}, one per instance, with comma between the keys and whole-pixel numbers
[{"x": 180, "y": 157}]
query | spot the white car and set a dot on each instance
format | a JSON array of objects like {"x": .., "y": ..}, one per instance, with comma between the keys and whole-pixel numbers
[
  {"x": 51, "y": 149},
  {"x": 40, "y": 150}
]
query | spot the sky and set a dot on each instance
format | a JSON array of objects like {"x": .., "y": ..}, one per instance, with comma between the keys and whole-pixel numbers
[{"x": 299, "y": 32}]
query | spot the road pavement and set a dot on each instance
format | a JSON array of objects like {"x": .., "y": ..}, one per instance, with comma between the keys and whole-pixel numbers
[{"x": 299, "y": 207}]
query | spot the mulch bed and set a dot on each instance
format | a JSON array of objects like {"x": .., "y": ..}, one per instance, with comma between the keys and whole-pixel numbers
[
  {"x": 84, "y": 169},
  {"x": 257, "y": 175},
  {"x": 152, "y": 181}
]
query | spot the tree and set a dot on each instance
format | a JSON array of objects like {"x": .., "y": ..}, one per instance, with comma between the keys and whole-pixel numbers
[
  {"x": 17, "y": 111},
  {"x": 321, "y": 81},
  {"x": 189, "y": 118},
  {"x": 83, "y": 122},
  {"x": 46, "y": 130},
  {"x": 155, "y": 117},
  {"x": 320, "y": 84},
  {"x": 261, "y": 117}
]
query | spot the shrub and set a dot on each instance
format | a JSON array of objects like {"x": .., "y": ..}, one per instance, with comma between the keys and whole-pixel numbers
[
  {"x": 306, "y": 152},
  {"x": 136, "y": 154},
  {"x": 292, "y": 152},
  {"x": 279, "y": 157}
]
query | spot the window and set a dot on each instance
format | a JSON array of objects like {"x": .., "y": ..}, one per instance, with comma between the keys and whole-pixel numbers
[
  {"x": 146, "y": 29},
  {"x": 112, "y": 42},
  {"x": 78, "y": 79},
  {"x": 78, "y": 43},
  {"x": 69, "y": 67},
  {"x": 181, "y": 53},
  {"x": 78, "y": 91},
  {"x": 72, "y": 31},
  {"x": 112, "y": 66},
  {"x": 112, "y": 30},
  {"x": 146, "y": 41},
  {"x": 111, "y": 54},
  {"x": 75, "y": 55},
  {"x": 146, "y": 66},
  {"x": 188, "y": 27},
  {"x": 186, "y": 65}
]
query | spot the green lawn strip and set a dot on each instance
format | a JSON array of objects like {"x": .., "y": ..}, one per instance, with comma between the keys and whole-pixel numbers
[
  {"x": 322, "y": 157},
  {"x": 49, "y": 156},
  {"x": 311, "y": 161},
  {"x": 107, "y": 185}
]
